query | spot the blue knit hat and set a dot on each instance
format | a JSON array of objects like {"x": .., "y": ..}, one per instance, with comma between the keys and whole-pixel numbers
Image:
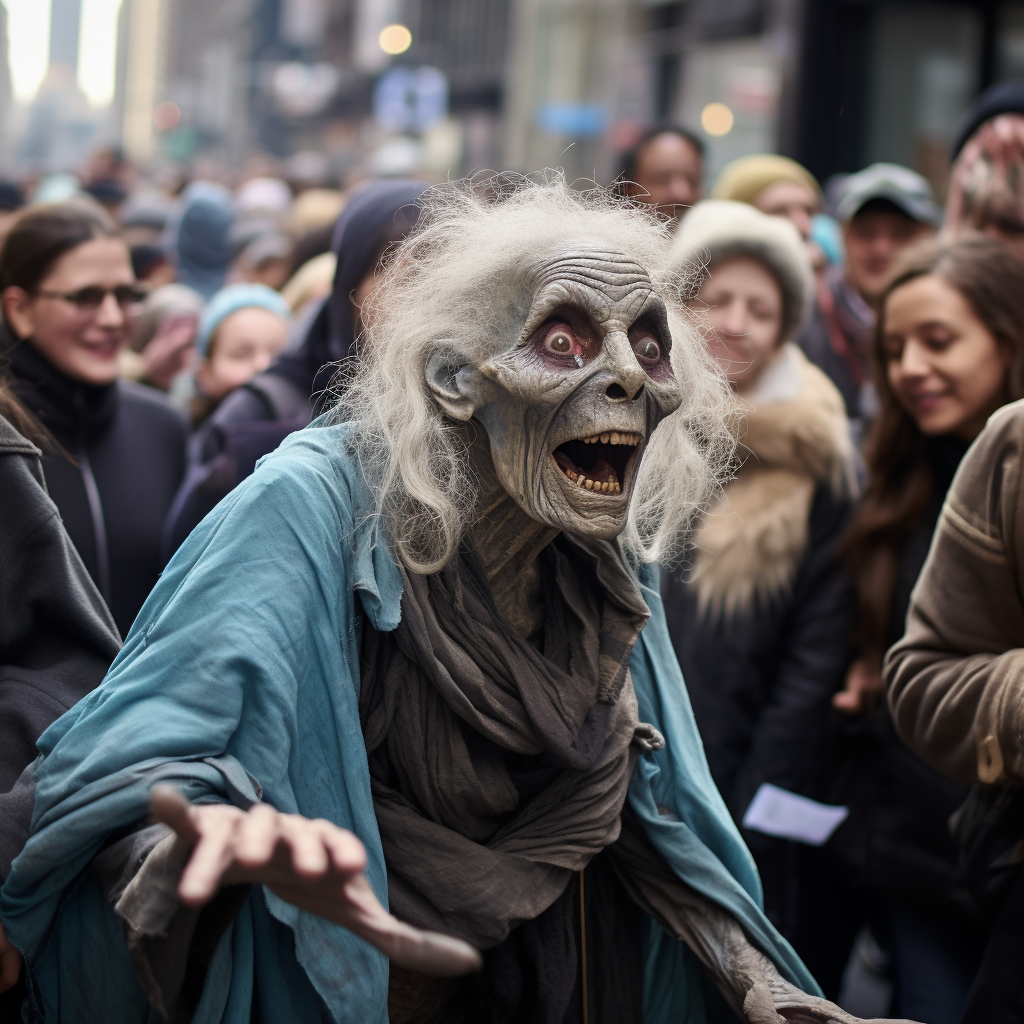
[{"x": 230, "y": 300}]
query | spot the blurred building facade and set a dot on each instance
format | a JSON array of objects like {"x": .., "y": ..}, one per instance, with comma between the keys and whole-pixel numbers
[{"x": 523, "y": 84}]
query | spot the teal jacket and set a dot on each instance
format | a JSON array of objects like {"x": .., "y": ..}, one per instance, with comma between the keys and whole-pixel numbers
[{"x": 239, "y": 681}]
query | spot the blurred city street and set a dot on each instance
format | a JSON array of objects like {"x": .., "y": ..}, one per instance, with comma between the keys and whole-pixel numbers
[{"x": 326, "y": 91}]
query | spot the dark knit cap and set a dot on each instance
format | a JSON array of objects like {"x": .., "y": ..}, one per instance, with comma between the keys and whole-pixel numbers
[{"x": 1004, "y": 98}]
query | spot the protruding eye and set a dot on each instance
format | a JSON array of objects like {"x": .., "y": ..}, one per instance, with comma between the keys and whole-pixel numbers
[
  {"x": 560, "y": 341},
  {"x": 647, "y": 349}
]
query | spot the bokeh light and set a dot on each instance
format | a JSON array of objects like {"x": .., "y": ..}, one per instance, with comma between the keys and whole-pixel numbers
[
  {"x": 395, "y": 39},
  {"x": 166, "y": 115},
  {"x": 716, "y": 119}
]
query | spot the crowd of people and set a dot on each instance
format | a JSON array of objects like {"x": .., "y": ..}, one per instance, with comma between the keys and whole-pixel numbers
[{"x": 857, "y": 342}]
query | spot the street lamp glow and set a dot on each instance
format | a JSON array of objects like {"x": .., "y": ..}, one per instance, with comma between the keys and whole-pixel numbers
[
  {"x": 395, "y": 39},
  {"x": 28, "y": 45},
  {"x": 716, "y": 119},
  {"x": 97, "y": 50}
]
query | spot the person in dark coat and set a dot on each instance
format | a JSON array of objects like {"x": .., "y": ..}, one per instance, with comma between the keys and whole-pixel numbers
[
  {"x": 256, "y": 418},
  {"x": 949, "y": 351},
  {"x": 68, "y": 291},
  {"x": 57, "y": 640},
  {"x": 761, "y": 621}
]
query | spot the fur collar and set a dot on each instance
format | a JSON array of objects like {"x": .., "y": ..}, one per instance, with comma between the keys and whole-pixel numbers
[{"x": 749, "y": 547}]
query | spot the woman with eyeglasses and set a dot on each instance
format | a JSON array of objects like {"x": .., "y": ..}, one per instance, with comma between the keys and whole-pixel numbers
[{"x": 68, "y": 294}]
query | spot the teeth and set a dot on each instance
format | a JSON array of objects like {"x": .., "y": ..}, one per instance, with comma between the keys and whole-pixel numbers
[
  {"x": 601, "y": 487},
  {"x": 613, "y": 437}
]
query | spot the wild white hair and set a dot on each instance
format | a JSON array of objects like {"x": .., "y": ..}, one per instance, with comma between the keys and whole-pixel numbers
[{"x": 461, "y": 285}]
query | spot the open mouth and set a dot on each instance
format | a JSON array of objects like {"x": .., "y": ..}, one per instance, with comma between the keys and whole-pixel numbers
[{"x": 598, "y": 463}]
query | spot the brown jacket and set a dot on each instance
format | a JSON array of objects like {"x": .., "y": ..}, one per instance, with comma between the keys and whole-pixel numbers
[{"x": 956, "y": 679}]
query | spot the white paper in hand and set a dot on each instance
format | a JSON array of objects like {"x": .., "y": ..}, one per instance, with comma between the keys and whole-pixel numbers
[{"x": 777, "y": 812}]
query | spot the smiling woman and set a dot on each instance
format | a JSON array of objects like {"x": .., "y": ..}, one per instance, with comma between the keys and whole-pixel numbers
[{"x": 68, "y": 296}]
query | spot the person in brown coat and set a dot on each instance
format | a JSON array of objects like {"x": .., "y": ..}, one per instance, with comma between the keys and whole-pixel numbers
[{"x": 956, "y": 693}]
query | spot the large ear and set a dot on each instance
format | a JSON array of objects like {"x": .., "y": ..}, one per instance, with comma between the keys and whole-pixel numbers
[{"x": 459, "y": 390}]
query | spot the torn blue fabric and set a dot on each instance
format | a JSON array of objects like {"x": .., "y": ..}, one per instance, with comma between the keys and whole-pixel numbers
[{"x": 239, "y": 681}]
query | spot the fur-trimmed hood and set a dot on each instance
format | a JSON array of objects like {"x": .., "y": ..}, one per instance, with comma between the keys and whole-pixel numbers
[{"x": 796, "y": 437}]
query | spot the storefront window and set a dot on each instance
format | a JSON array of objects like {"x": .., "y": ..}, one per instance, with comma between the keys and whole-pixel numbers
[
  {"x": 925, "y": 70},
  {"x": 1010, "y": 51}
]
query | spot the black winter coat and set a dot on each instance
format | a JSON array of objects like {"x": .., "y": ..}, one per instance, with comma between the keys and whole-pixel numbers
[
  {"x": 56, "y": 641},
  {"x": 761, "y": 683},
  {"x": 762, "y": 627},
  {"x": 897, "y": 842},
  {"x": 123, "y": 460}
]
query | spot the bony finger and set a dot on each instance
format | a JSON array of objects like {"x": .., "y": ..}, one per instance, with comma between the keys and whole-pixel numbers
[
  {"x": 426, "y": 952},
  {"x": 258, "y": 834},
  {"x": 211, "y": 857},
  {"x": 166, "y": 804},
  {"x": 308, "y": 855}
]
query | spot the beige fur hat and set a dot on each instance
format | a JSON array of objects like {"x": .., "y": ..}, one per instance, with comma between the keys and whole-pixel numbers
[{"x": 716, "y": 230}]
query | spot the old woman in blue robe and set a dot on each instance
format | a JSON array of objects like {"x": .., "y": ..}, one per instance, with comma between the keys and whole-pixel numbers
[{"x": 427, "y": 621}]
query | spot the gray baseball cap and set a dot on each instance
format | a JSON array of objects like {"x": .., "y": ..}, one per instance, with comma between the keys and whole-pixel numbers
[{"x": 901, "y": 186}]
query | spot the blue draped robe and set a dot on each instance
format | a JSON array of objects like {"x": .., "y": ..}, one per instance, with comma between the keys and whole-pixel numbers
[{"x": 240, "y": 679}]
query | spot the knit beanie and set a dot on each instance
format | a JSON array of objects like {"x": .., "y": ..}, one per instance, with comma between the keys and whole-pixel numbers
[
  {"x": 717, "y": 230},
  {"x": 743, "y": 180},
  {"x": 1002, "y": 98},
  {"x": 230, "y": 300}
]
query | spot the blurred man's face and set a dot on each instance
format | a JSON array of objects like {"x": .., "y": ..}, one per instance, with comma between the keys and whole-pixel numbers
[
  {"x": 668, "y": 174},
  {"x": 873, "y": 241},
  {"x": 796, "y": 203}
]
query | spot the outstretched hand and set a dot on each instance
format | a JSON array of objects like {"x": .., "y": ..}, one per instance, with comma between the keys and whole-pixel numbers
[{"x": 311, "y": 863}]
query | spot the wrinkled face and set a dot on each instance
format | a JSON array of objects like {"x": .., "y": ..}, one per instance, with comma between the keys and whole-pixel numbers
[{"x": 569, "y": 408}]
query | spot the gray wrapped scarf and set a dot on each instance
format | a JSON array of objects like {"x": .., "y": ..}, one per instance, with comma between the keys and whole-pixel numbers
[{"x": 450, "y": 690}]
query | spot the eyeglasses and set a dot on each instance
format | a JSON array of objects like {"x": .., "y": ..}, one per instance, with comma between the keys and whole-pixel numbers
[{"x": 93, "y": 296}]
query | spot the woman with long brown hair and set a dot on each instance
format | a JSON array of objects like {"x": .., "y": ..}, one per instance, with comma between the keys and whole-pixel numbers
[{"x": 948, "y": 352}]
